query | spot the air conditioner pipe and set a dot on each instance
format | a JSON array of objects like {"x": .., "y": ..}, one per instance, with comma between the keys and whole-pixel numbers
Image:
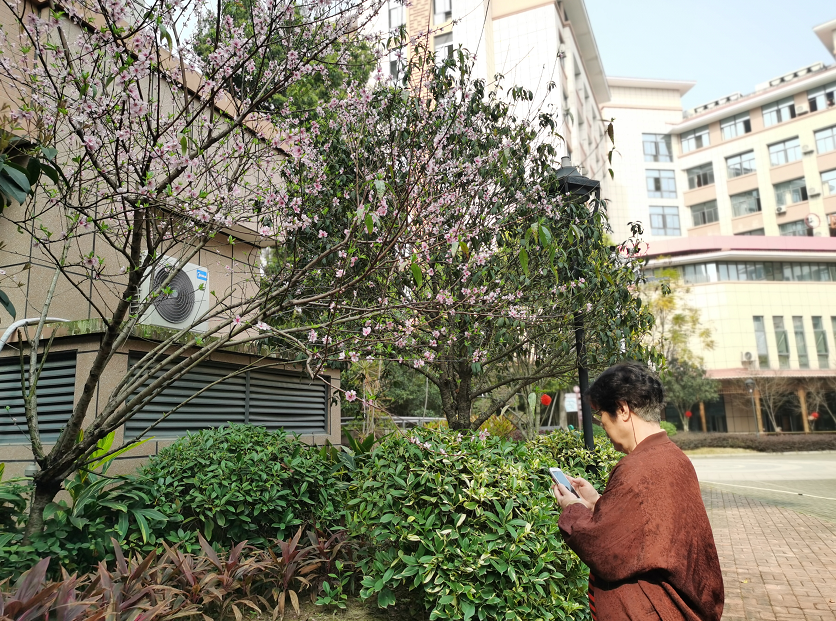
[{"x": 25, "y": 322}]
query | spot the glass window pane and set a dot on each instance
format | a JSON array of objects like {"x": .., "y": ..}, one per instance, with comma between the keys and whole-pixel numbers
[
  {"x": 723, "y": 270},
  {"x": 760, "y": 341},
  {"x": 800, "y": 342}
]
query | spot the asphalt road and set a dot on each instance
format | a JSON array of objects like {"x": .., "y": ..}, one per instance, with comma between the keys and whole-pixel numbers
[{"x": 803, "y": 482}]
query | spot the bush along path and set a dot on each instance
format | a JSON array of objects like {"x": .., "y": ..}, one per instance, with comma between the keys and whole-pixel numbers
[{"x": 451, "y": 525}]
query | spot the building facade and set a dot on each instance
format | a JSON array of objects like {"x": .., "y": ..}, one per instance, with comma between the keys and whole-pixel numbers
[
  {"x": 545, "y": 46},
  {"x": 739, "y": 197}
]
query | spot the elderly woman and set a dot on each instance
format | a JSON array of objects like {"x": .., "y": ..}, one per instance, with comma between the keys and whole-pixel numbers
[{"x": 646, "y": 539}]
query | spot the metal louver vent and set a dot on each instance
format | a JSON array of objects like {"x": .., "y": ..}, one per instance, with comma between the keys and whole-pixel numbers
[
  {"x": 56, "y": 391},
  {"x": 179, "y": 304},
  {"x": 264, "y": 398}
]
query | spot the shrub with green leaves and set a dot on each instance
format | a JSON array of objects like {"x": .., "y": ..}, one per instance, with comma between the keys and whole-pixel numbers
[
  {"x": 77, "y": 534},
  {"x": 669, "y": 428},
  {"x": 468, "y": 525},
  {"x": 241, "y": 482}
]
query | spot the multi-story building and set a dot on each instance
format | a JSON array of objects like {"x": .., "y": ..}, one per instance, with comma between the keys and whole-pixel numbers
[
  {"x": 739, "y": 195},
  {"x": 545, "y": 46}
]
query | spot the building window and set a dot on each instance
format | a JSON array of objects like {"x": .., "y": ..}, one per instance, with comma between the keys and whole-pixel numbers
[
  {"x": 396, "y": 15},
  {"x": 826, "y": 139},
  {"x": 443, "y": 47},
  {"x": 745, "y": 203},
  {"x": 739, "y": 165},
  {"x": 664, "y": 220},
  {"x": 828, "y": 183},
  {"x": 800, "y": 342},
  {"x": 700, "y": 176},
  {"x": 778, "y": 112},
  {"x": 754, "y": 232},
  {"x": 694, "y": 139},
  {"x": 443, "y": 11},
  {"x": 822, "y": 97},
  {"x": 784, "y": 152},
  {"x": 798, "y": 228},
  {"x": 705, "y": 213},
  {"x": 661, "y": 184},
  {"x": 736, "y": 125},
  {"x": 773, "y": 271},
  {"x": 790, "y": 192},
  {"x": 657, "y": 147},
  {"x": 760, "y": 340},
  {"x": 820, "y": 336},
  {"x": 782, "y": 340},
  {"x": 833, "y": 327}
]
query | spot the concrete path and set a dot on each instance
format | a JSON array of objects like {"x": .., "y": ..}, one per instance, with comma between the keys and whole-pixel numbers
[{"x": 774, "y": 522}]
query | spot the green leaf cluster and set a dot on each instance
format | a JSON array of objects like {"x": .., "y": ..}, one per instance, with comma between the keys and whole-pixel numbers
[
  {"x": 468, "y": 525},
  {"x": 77, "y": 534},
  {"x": 242, "y": 482}
]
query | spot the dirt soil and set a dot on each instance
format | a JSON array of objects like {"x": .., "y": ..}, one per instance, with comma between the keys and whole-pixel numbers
[{"x": 355, "y": 611}]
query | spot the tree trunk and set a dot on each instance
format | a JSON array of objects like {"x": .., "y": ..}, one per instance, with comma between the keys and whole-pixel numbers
[
  {"x": 563, "y": 422},
  {"x": 46, "y": 487}
]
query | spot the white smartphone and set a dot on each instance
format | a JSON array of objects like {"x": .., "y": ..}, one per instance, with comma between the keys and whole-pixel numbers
[{"x": 559, "y": 477}]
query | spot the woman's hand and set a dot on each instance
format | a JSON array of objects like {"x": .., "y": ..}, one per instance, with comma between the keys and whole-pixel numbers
[
  {"x": 589, "y": 495},
  {"x": 564, "y": 496}
]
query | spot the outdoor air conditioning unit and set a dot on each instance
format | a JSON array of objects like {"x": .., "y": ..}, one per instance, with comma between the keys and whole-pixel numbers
[
  {"x": 780, "y": 209},
  {"x": 188, "y": 300},
  {"x": 801, "y": 109},
  {"x": 807, "y": 149},
  {"x": 747, "y": 357},
  {"x": 813, "y": 192}
]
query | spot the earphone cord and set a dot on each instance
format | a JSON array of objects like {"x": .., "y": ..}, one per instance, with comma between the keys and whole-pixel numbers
[{"x": 633, "y": 425}]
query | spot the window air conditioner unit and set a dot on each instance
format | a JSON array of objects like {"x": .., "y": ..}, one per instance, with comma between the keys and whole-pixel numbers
[
  {"x": 188, "y": 299},
  {"x": 807, "y": 149},
  {"x": 813, "y": 192},
  {"x": 780, "y": 210},
  {"x": 801, "y": 109},
  {"x": 747, "y": 357}
]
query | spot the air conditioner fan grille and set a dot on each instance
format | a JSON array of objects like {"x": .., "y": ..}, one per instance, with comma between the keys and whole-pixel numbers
[{"x": 177, "y": 306}]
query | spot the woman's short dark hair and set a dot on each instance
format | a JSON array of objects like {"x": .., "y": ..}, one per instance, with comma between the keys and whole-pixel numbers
[{"x": 632, "y": 383}]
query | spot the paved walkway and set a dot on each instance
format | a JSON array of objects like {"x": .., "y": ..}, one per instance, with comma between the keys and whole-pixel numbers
[{"x": 778, "y": 564}]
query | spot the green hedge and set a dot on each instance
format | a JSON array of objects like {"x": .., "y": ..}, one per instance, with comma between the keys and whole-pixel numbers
[
  {"x": 467, "y": 525},
  {"x": 767, "y": 443},
  {"x": 241, "y": 482}
]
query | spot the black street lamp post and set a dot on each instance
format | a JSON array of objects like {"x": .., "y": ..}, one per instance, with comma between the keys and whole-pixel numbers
[{"x": 579, "y": 189}]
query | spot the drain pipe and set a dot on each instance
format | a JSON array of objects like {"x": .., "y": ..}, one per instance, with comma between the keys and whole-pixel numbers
[{"x": 25, "y": 322}]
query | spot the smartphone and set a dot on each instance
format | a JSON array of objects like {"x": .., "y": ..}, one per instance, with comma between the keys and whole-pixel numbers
[{"x": 559, "y": 477}]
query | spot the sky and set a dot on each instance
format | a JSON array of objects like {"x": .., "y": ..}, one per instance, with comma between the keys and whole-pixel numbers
[{"x": 725, "y": 46}]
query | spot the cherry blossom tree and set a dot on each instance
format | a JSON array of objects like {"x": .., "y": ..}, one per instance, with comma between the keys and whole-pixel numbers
[
  {"x": 491, "y": 300},
  {"x": 419, "y": 221},
  {"x": 162, "y": 152}
]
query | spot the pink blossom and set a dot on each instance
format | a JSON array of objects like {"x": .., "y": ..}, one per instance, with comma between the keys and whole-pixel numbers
[
  {"x": 351, "y": 395},
  {"x": 323, "y": 235},
  {"x": 367, "y": 331},
  {"x": 237, "y": 321}
]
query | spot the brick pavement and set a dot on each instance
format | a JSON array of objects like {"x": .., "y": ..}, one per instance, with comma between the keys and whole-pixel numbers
[{"x": 778, "y": 565}]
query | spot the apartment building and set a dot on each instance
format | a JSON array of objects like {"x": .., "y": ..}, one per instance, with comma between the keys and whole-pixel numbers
[
  {"x": 545, "y": 46},
  {"x": 739, "y": 195}
]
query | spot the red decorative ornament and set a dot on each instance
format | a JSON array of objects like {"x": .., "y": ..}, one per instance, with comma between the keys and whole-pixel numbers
[
  {"x": 814, "y": 415},
  {"x": 688, "y": 414},
  {"x": 546, "y": 400}
]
